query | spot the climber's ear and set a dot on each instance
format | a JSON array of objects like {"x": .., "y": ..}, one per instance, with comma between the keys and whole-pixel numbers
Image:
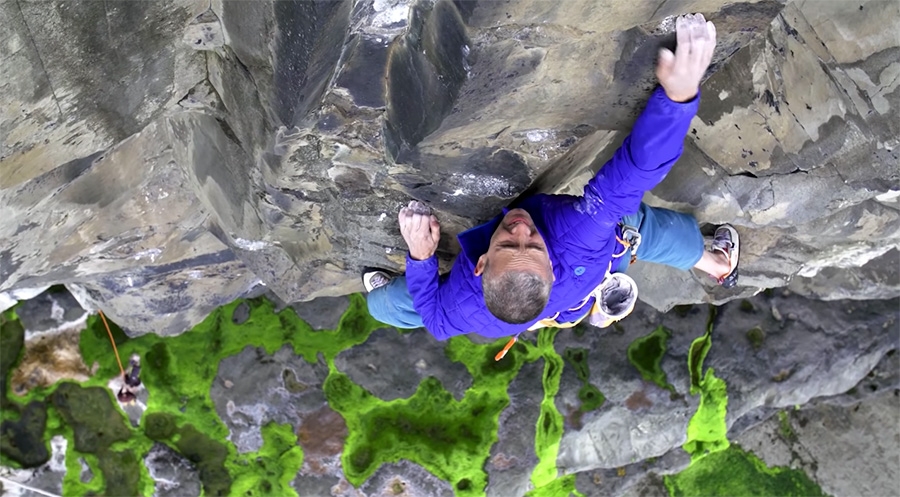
[{"x": 480, "y": 265}]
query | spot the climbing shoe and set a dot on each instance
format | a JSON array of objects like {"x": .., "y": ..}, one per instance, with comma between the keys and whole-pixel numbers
[
  {"x": 375, "y": 279},
  {"x": 727, "y": 241}
]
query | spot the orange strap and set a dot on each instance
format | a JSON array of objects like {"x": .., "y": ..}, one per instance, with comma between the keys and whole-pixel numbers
[
  {"x": 509, "y": 344},
  {"x": 113, "y": 342}
]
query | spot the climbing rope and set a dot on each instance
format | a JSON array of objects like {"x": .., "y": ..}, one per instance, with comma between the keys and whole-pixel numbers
[{"x": 113, "y": 342}]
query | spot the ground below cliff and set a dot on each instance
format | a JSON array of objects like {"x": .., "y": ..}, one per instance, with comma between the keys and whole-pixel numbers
[{"x": 773, "y": 395}]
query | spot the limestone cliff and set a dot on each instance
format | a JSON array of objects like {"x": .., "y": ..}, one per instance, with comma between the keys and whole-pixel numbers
[{"x": 162, "y": 158}]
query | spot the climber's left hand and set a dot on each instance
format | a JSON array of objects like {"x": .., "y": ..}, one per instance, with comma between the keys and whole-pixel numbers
[{"x": 420, "y": 229}]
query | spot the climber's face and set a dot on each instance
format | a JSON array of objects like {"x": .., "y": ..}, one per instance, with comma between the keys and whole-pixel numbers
[{"x": 517, "y": 246}]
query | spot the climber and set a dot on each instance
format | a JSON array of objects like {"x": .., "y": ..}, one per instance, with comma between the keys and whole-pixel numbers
[{"x": 553, "y": 260}]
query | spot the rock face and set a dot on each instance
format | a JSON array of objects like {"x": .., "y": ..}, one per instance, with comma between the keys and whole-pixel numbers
[{"x": 162, "y": 158}]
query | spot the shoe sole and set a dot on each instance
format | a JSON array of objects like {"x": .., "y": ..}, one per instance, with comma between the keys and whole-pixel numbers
[
  {"x": 734, "y": 257},
  {"x": 367, "y": 279}
]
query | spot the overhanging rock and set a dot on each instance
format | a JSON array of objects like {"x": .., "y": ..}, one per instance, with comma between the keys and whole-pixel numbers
[{"x": 165, "y": 157}]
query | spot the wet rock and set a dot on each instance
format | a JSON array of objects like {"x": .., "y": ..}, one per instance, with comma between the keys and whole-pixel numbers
[
  {"x": 47, "y": 477},
  {"x": 405, "y": 479},
  {"x": 281, "y": 387},
  {"x": 89, "y": 411},
  {"x": 12, "y": 339},
  {"x": 512, "y": 458},
  {"x": 879, "y": 278},
  {"x": 173, "y": 475},
  {"x": 826, "y": 351},
  {"x": 318, "y": 485},
  {"x": 23, "y": 440},
  {"x": 323, "y": 313},
  {"x": 845, "y": 449},
  {"x": 51, "y": 310},
  {"x": 377, "y": 366}
]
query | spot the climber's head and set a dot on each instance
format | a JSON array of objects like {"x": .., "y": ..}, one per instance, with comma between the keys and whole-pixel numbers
[{"x": 516, "y": 273}]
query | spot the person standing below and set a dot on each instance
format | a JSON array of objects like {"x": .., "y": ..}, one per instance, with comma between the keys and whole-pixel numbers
[{"x": 552, "y": 260}]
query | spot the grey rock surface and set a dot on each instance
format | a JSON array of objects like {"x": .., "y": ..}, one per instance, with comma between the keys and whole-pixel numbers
[
  {"x": 391, "y": 364},
  {"x": 847, "y": 450},
  {"x": 830, "y": 432},
  {"x": 253, "y": 388},
  {"x": 274, "y": 141},
  {"x": 405, "y": 479},
  {"x": 512, "y": 458},
  {"x": 879, "y": 278},
  {"x": 173, "y": 475},
  {"x": 47, "y": 477},
  {"x": 808, "y": 349},
  {"x": 323, "y": 313}
]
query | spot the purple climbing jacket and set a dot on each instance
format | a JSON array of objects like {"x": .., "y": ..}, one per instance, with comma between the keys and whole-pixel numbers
[{"x": 579, "y": 232}]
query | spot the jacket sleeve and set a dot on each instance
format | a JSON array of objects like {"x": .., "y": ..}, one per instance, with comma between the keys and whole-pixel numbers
[
  {"x": 640, "y": 163},
  {"x": 424, "y": 285}
]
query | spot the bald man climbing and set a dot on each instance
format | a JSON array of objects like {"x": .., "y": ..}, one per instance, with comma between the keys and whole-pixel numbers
[{"x": 553, "y": 260}]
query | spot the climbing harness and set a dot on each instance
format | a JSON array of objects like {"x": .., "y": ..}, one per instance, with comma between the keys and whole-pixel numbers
[{"x": 630, "y": 240}]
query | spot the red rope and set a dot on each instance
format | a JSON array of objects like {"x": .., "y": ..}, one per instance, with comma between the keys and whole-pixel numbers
[{"x": 113, "y": 342}]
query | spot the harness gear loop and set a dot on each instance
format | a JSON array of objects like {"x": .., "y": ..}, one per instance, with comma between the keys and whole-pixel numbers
[{"x": 630, "y": 239}]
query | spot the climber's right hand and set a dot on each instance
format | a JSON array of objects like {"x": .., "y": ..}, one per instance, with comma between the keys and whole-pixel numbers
[
  {"x": 680, "y": 73},
  {"x": 420, "y": 229}
]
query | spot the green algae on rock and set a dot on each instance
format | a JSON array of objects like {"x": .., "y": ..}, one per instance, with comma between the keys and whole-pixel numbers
[
  {"x": 560, "y": 487},
  {"x": 734, "y": 472},
  {"x": 646, "y": 354},
  {"x": 590, "y": 396},
  {"x": 449, "y": 438},
  {"x": 550, "y": 421},
  {"x": 177, "y": 372},
  {"x": 707, "y": 431}
]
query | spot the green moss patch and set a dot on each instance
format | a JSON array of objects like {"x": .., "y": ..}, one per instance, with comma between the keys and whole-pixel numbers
[
  {"x": 707, "y": 431},
  {"x": 550, "y": 421},
  {"x": 756, "y": 336},
  {"x": 560, "y": 487},
  {"x": 646, "y": 353},
  {"x": 449, "y": 438},
  {"x": 734, "y": 472},
  {"x": 784, "y": 426},
  {"x": 178, "y": 373},
  {"x": 590, "y": 396}
]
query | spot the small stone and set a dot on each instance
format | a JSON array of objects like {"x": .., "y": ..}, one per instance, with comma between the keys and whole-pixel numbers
[
  {"x": 228, "y": 383},
  {"x": 776, "y": 314},
  {"x": 421, "y": 364},
  {"x": 372, "y": 367}
]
